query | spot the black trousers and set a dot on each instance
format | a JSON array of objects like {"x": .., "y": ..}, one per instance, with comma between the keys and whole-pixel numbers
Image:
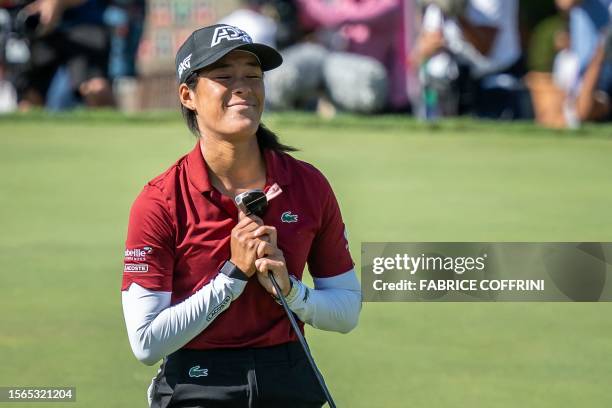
[{"x": 268, "y": 377}]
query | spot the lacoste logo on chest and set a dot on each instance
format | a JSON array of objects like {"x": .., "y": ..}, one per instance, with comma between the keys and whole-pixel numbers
[{"x": 287, "y": 216}]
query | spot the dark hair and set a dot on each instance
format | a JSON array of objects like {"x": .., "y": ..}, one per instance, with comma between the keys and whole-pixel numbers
[{"x": 266, "y": 139}]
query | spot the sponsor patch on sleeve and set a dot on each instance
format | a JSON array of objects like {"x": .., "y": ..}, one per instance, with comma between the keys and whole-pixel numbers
[
  {"x": 137, "y": 254},
  {"x": 136, "y": 258},
  {"x": 136, "y": 268}
]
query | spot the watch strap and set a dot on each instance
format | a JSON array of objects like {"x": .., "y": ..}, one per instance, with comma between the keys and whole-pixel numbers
[{"x": 232, "y": 271}]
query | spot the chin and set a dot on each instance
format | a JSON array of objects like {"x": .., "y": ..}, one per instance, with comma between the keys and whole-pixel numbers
[
  {"x": 243, "y": 126},
  {"x": 244, "y": 123}
]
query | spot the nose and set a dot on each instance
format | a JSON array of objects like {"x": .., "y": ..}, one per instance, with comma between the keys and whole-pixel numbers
[{"x": 241, "y": 87}]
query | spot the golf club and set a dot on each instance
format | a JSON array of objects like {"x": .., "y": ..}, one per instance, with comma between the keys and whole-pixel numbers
[{"x": 255, "y": 202}]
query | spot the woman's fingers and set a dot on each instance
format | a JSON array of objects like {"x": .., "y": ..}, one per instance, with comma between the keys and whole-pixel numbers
[
  {"x": 244, "y": 220},
  {"x": 276, "y": 265},
  {"x": 243, "y": 247},
  {"x": 266, "y": 231},
  {"x": 264, "y": 249},
  {"x": 251, "y": 240},
  {"x": 265, "y": 265}
]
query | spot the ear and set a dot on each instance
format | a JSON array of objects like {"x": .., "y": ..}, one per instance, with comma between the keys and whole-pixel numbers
[{"x": 186, "y": 96}]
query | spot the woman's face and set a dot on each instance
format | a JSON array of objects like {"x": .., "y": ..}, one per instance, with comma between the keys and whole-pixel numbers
[{"x": 229, "y": 96}]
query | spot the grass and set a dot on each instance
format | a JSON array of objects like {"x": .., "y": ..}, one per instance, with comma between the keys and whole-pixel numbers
[{"x": 68, "y": 182}]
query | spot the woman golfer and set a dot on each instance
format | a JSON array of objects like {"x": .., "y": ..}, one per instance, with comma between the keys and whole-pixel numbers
[{"x": 196, "y": 291}]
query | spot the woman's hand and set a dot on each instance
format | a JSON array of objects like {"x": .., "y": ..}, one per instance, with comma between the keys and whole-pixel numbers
[
  {"x": 273, "y": 262},
  {"x": 244, "y": 244},
  {"x": 270, "y": 258},
  {"x": 254, "y": 249}
]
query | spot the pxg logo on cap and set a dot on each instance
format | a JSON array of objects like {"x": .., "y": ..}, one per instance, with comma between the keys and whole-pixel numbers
[
  {"x": 185, "y": 64},
  {"x": 207, "y": 45}
]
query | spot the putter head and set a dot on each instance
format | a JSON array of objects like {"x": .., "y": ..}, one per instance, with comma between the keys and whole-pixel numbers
[{"x": 252, "y": 202}]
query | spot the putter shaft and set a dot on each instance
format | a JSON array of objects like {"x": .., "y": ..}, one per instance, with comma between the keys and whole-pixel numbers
[{"x": 302, "y": 340}]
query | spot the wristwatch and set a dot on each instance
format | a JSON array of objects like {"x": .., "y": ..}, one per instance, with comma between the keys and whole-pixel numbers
[{"x": 232, "y": 271}]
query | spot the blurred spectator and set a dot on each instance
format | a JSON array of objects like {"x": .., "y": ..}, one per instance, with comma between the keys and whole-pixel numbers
[
  {"x": 551, "y": 63},
  {"x": 367, "y": 36},
  {"x": 126, "y": 20},
  {"x": 8, "y": 98},
  {"x": 250, "y": 19},
  {"x": 271, "y": 22},
  {"x": 566, "y": 67},
  {"x": 585, "y": 70},
  {"x": 69, "y": 46},
  {"x": 531, "y": 13},
  {"x": 285, "y": 14},
  {"x": 474, "y": 46},
  {"x": 371, "y": 28},
  {"x": 547, "y": 37}
]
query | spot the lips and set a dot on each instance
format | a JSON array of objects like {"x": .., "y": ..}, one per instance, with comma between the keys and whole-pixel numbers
[{"x": 243, "y": 103}]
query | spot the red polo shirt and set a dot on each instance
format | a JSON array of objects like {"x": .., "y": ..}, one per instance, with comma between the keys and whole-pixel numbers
[{"x": 179, "y": 237}]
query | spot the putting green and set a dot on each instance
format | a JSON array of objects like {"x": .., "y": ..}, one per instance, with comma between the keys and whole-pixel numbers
[{"x": 68, "y": 182}]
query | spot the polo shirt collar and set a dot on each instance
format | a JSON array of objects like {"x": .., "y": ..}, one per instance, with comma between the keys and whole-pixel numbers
[{"x": 277, "y": 170}]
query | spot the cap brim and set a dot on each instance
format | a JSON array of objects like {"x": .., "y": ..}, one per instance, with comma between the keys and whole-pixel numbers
[{"x": 268, "y": 57}]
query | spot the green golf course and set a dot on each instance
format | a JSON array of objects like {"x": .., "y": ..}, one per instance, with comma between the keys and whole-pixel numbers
[{"x": 69, "y": 180}]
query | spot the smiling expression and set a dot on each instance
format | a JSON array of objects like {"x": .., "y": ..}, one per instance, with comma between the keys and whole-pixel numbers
[{"x": 228, "y": 97}]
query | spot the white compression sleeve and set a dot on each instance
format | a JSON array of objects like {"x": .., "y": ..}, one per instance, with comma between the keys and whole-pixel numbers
[
  {"x": 333, "y": 305},
  {"x": 156, "y": 329}
]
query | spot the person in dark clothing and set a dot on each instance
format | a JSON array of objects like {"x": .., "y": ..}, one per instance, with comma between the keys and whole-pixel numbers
[{"x": 68, "y": 34}]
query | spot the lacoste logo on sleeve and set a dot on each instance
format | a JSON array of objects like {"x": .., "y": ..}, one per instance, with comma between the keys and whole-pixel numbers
[
  {"x": 287, "y": 216},
  {"x": 136, "y": 268},
  {"x": 196, "y": 371},
  {"x": 219, "y": 308}
]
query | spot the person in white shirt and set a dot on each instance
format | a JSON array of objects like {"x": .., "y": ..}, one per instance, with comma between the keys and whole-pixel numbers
[{"x": 479, "y": 36}]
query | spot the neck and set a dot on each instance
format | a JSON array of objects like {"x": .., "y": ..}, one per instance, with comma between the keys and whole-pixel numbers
[{"x": 233, "y": 167}]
